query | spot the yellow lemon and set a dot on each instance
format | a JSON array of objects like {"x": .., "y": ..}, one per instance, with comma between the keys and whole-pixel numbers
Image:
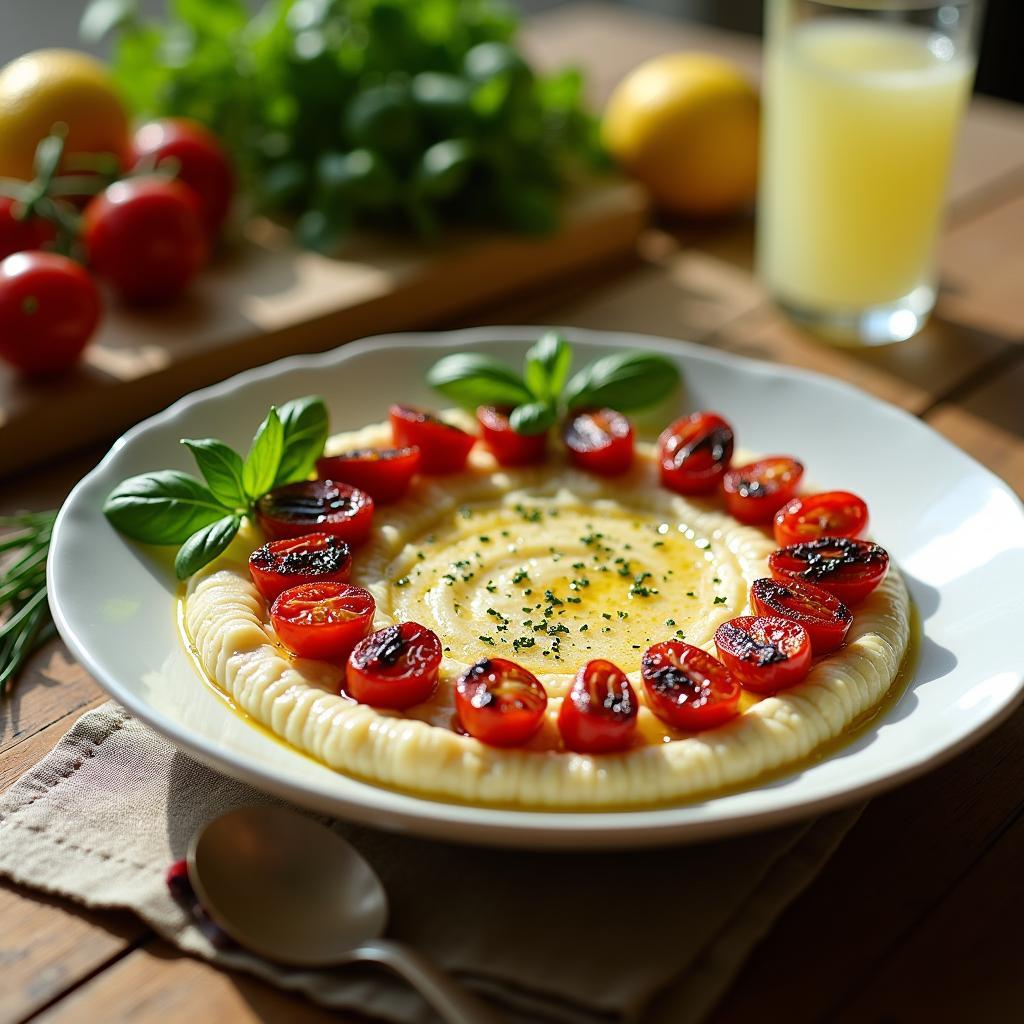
[
  {"x": 686, "y": 125},
  {"x": 45, "y": 87}
]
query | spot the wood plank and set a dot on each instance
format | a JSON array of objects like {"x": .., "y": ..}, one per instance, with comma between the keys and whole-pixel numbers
[
  {"x": 155, "y": 983},
  {"x": 902, "y": 857},
  {"x": 47, "y": 946},
  {"x": 988, "y": 423}
]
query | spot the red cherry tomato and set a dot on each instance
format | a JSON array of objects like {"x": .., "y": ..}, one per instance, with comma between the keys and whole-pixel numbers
[
  {"x": 197, "y": 159},
  {"x": 316, "y": 506},
  {"x": 764, "y": 653},
  {"x": 848, "y": 568},
  {"x": 694, "y": 452},
  {"x": 383, "y": 473},
  {"x": 826, "y": 619},
  {"x": 500, "y": 702},
  {"x": 49, "y": 309},
  {"x": 145, "y": 238},
  {"x": 17, "y": 234},
  {"x": 755, "y": 492},
  {"x": 322, "y": 620},
  {"x": 831, "y": 514},
  {"x": 688, "y": 688},
  {"x": 508, "y": 447},
  {"x": 600, "y": 440},
  {"x": 313, "y": 558},
  {"x": 395, "y": 667},
  {"x": 598, "y": 714},
  {"x": 443, "y": 448}
]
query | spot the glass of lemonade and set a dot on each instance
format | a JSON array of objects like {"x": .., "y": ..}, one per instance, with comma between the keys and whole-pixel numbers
[{"x": 862, "y": 103}]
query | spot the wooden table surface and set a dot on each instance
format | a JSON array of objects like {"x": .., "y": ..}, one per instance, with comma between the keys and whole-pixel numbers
[{"x": 916, "y": 917}]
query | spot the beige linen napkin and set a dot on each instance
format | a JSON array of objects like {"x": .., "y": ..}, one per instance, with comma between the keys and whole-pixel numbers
[{"x": 549, "y": 938}]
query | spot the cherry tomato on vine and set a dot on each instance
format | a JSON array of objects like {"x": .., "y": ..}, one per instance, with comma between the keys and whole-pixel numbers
[
  {"x": 848, "y": 568},
  {"x": 764, "y": 653},
  {"x": 198, "y": 160},
  {"x": 18, "y": 234},
  {"x": 322, "y": 620},
  {"x": 508, "y": 447},
  {"x": 600, "y": 441},
  {"x": 687, "y": 688},
  {"x": 49, "y": 309},
  {"x": 755, "y": 492},
  {"x": 694, "y": 452},
  {"x": 499, "y": 702},
  {"x": 826, "y": 619},
  {"x": 830, "y": 514},
  {"x": 312, "y": 558},
  {"x": 443, "y": 447},
  {"x": 145, "y": 238},
  {"x": 316, "y": 506},
  {"x": 598, "y": 714},
  {"x": 383, "y": 473},
  {"x": 395, "y": 667}
]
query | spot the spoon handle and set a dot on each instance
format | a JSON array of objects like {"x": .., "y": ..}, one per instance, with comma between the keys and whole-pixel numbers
[{"x": 452, "y": 1002}]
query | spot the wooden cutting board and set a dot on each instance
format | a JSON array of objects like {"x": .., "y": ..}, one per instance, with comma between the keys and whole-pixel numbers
[{"x": 264, "y": 299}]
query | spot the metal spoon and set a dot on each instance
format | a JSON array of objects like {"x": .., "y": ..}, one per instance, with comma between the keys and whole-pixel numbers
[{"x": 296, "y": 893}]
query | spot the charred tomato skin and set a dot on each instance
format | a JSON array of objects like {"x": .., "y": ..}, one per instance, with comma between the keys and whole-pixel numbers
[
  {"x": 765, "y": 653},
  {"x": 756, "y": 491},
  {"x": 694, "y": 452},
  {"x": 499, "y": 702},
  {"x": 687, "y": 688},
  {"x": 316, "y": 506},
  {"x": 600, "y": 441},
  {"x": 508, "y": 447},
  {"x": 312, "y": 558},
  {"x": 443, "y": 447},
  {"x": 322, "y": 620},
  {"x": 395, "y": 667},
  {"x": 844, "y": 566},
  {"x": 827, "y": 514},
  {"x": 826, "y": 619},
  {"x": 598, "y": 714},
  {"x": 383, "y": 473}
]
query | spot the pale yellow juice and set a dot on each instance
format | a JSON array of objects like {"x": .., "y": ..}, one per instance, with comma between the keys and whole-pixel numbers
[{"x": 861, "y": 122}]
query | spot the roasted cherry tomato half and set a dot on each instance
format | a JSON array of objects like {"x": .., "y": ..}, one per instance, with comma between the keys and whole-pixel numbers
[
  {"x": 395, "y": 667},
  {"x": 316, "y": 506},
  {"x": 500, "y": 702},
  {"x": 826, "y": 619},
  {"x": 830, "y": 514},
  {"x": 848, "y": 568},
  {"x": 694, "y": 452},
  {"x": 443, "y": 447},
  {"x": 18, "y": 233},
  {"x": 314, "y": 558},
  {"x": 765, "y": 653},
  {"x": 600, "y": 440},
  {"x": 755, "y": 492},
  {"x": 383, "y": 473},
  {"x": 322, "y": 620},
  {"x": 687, "y": 688},
  {"x": 598, "y": 714},
  {"x": 508, "y": 447}
]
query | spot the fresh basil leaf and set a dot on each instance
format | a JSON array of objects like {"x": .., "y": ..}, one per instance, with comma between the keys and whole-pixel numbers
[
  {"x": 205, "y": 545},
  {"x": 165, "y": 507},
  {"x": 532, "y": 417},
  {"x": 547, "y": 366},
  {"x": 472, "y": 379},
  {"x": 624, "y": 381},
  {"x": 221, "y": 467},
  {"x": 304, "y": 424},
  {"x": 261, "y": 464}
]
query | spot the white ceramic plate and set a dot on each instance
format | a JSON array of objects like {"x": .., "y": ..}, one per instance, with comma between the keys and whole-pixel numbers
[{"x": 956, "y": 531}]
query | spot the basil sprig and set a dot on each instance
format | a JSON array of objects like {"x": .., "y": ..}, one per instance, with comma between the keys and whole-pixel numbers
[
  {"x": 203, "y": 516},
  {"x": 623, "y": 380}
]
